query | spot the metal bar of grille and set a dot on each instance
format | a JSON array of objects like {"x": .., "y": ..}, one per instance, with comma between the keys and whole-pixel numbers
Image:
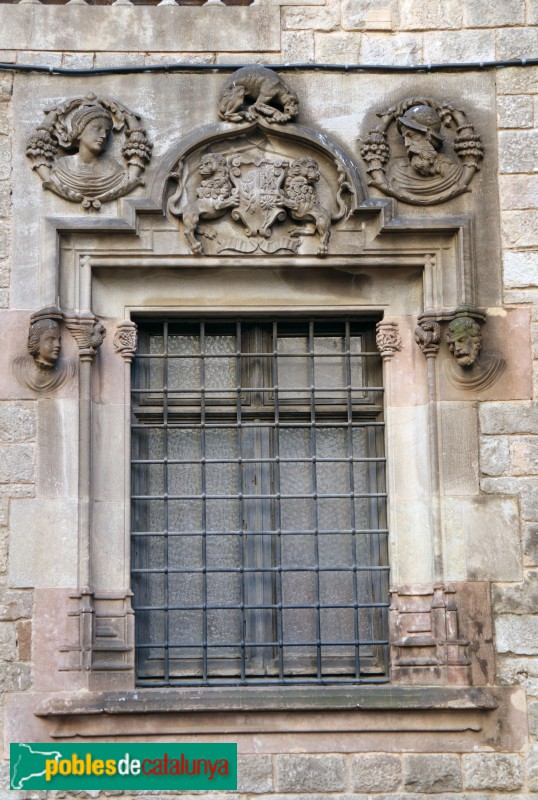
[{"x": 258, "y": 514}]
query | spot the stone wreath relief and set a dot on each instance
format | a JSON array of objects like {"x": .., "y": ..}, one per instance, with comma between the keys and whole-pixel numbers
[{"x": 70, "y": 150}]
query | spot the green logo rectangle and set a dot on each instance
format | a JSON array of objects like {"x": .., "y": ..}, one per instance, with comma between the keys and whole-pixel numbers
[{"x": 183, "y": 767}]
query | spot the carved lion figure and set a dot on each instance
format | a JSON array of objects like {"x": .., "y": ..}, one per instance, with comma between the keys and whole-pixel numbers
[
  {"x": 270, "y": 96},
  {"x": 303, "y": 203},
  {"x": 214, "y": 196}
]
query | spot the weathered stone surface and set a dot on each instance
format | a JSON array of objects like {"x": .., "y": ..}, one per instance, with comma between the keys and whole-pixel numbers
[
  {"x": 521, "y": 268},
  {"x": 298, "y": 46},
  {"x": 404, "y": 48},
  {"x": 15, "y": 605},
  {"x": 31, "y": 564},
  {"x": 520, "y": 417},
  {"x": 17, "y": 422},
  {"x": 430, "y": 14},
  {"x": 24, "y": 640},
  {"x": 318, "y": 19},
  {"x": 523, "y": 455},
  {"x": 6, "y": 87},
  {"x": 459, "y": 46},
  {"x": 8, "y": 642},
  {"x": 515, "y": 111},
  {"x": 5, "y": 157},
  {"x": 526, "y": 488},
  {"x": 520, "y": 228},
  {"x": 516, "y": 150},
  {"x": 255, "y": 774},
  {"x": 482, "y": 540},
  {"x": 43, "y": 59},
  {"x": 459, "y": 442},
  {"x": 532, "y": 771},
  {"x": 119, "y": 59},
  {"x": 517, "y": 634},
  {"x": 432, "y": 773},
  {"x": 78, "y": 60},
  {"x": 5, "y": 200},
  {"x": 343, "y": 48},
  {"x": 494, "y": 455},
  {"x": 481, "y": 14},
  {"x": 300, "y": 773},
  {"x": 17, "y": 463},
  {"x": 358, "y": 16},
  {"x": 533, "y": 718},
  {"x": 530, "y": 543},
  {"x": 517, "y": 43},
  {"x": 492, "y": 771},
  {"x": 15, "y": 677},
  {"x": 375, "y": 773},
  {"x": 517, "y": 81},
  {"x": 517, "y": 598}
]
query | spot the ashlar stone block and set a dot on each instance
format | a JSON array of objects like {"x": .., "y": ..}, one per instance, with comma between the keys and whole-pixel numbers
[
  {"x": 520, "y": 417},
  {"x": 17, "y": 422},
  {"x": 516, "y": 151},
  {"x": 318, "y": 19},
  {"x": 485, "y": 14},
  {"x": 459, "y": 46},
  {"x": 305, "y": 773},
  {"x": 521, "y": 268},
  {"x": 255, "y": 773},
  {"x": 530, "y": 543},
  {"x": 494, "y": 455},
  {"x": 520, "y": 228},
  {"x": 519, "y": 598},
  {"x": 17, "y": 463},
  {"x": 432, "y": 773},
  {"x": 398, "y": 48},
  {"x": 375, "y": 773},
  {"x": 430, "y": 14},
  {"x": 517, "y": 634},
  {"x": 339, "y": 48},
  {"x": 517, "y": 43},
  {"x": 492, "y": 771},
  {"x": 515, "y": 111}
]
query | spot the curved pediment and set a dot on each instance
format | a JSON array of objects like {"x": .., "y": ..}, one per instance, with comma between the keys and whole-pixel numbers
[{"x": 257, "y": 183}]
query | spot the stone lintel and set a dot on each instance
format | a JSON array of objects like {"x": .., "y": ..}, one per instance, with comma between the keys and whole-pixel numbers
[{"x": 162, "y": 29}]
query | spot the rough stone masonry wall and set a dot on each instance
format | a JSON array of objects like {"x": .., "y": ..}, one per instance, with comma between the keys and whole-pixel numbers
[{"x": 361, "y": 31}]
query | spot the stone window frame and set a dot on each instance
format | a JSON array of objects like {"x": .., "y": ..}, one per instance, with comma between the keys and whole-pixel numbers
[{"x": 430, "y": 250}]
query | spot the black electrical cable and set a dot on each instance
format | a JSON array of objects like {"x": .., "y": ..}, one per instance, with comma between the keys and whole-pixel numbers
[{"x": 310, "y": 67}]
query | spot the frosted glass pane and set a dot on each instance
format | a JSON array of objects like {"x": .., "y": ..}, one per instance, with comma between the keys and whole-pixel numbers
[{"x": 183, "y": 373}]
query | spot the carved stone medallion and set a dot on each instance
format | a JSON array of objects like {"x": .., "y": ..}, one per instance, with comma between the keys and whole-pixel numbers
[
  {"x": 436, "y": 166},
  {"x": 71, "y": 150}
]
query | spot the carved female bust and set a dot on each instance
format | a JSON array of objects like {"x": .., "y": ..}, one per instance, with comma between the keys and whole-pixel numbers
[
  {"x": 40, "y": 370},
  {"x": 89, "y": 172}
]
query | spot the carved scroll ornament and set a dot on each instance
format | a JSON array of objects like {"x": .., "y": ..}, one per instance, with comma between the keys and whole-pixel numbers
[
  {"x": 42, "y": 370},
  {"x": 255, "y": 92},
  {"x": 81, "y": 130},
  {"x": 429, "y": 173}
]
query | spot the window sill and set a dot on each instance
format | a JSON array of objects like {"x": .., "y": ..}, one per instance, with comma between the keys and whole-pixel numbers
[{"x": 239, "y": 699}]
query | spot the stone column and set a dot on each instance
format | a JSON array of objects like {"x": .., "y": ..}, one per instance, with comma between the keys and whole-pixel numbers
[{"x": 428, "y": 336}]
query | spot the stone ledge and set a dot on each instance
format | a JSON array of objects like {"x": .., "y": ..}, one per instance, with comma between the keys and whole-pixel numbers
[
  {"x": 173, "y": 700},
  {"x": 158, "y": 28}
]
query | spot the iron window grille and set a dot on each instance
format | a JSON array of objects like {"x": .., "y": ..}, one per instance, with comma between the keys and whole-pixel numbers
[{"x": 259, "y": 538}]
